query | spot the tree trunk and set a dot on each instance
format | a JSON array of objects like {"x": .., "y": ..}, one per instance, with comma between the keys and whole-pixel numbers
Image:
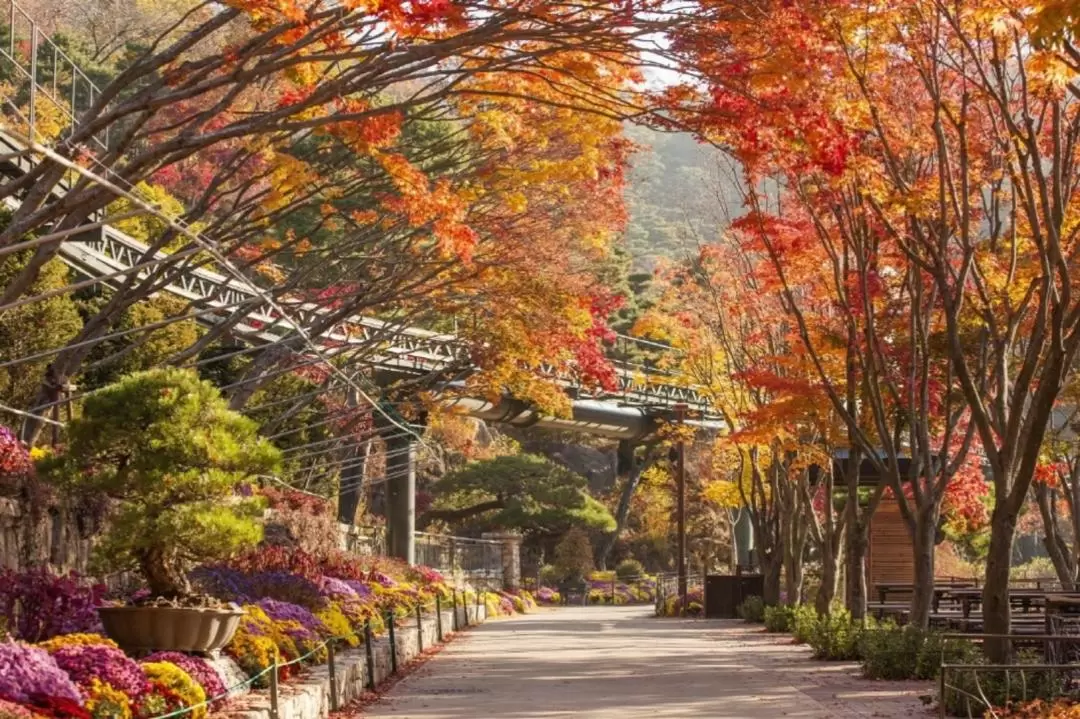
[
  {"x": 733, "y": 520},
  {"x": 633, "y": 480},
  {"x": 855, "y": 575},
  {"x": 163, "y": 576},
  {"x": 923, "y": 548},
  {"x": 995, "y": 597},
  {"x": 830, "y": 573},
  {"x": 1056, "y": 546},
  {"x": 771, "y": 565}
]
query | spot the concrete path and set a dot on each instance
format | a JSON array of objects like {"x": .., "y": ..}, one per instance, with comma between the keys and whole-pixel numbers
[{"x": 621, "y": 663}]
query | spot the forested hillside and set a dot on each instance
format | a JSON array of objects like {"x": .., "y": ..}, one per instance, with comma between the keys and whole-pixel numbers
[{"x": 680, "y": 193}]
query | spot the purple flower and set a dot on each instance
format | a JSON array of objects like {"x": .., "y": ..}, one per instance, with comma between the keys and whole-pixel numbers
[
  {"x": 383, "y": 579},
  {"x": 48, "y": 605},
  {"x": 286, "y": 587},
  {"x": 223, "y": 583},
  {"x": 332, "y": 587},
  {"x": 84, "y": 662},
  {"x": 362, "y": 589},
  {"x": 285, "y": 612},
  {"x": 198, "y": 669},
  {"x": 27, "y": 671}
]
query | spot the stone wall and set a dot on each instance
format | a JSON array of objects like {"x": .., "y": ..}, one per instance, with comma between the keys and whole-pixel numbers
[
  {"x": 56, "y": 539},
  {"x": 308, "y": 697}
]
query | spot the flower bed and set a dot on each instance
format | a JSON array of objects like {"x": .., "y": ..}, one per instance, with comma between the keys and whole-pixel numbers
[
  {"x": 695, "y": 605},
  {"x": 607, "y": 588},
  {"x": 58, "y": 666}
]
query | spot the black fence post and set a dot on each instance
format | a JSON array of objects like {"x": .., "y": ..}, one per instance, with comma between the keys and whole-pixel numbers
[
  {"x": 453, "y": 619},
  {"x": 393, "y": 641},
  {"x": 369, "y": 650},
  {"x": 438, "y": 617},
  {"x": 419, "y": 629}
]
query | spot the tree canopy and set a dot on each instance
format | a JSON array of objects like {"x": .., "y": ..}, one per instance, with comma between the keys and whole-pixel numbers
[
  {"x": 165, "y": 447},
  {"x": 525, "y": 492}
]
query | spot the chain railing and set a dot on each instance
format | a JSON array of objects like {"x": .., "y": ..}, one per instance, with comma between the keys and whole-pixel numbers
[
  {"x": 411, "y": 620},
  {"x": 42, "y": 86}
]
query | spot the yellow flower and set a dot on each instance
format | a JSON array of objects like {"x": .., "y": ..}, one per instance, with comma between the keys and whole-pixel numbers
[
  {"x": 172, "y": 677},
  {"x": 105, "y": 702},
  {"x": 72, "y": 640},
  {"x": 337, "y": 624}
]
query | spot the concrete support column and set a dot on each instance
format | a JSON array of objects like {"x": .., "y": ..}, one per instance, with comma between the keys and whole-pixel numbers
[
  {"x": 401, "y": 497},
  {"x": 511, "y": 558}
]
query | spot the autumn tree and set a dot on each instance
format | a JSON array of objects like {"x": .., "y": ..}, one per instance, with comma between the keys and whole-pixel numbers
[{"x": 267, "y": 141}]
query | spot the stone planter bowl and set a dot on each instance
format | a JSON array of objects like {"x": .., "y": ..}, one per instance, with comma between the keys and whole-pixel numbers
[{"x": 177, "y": 629}]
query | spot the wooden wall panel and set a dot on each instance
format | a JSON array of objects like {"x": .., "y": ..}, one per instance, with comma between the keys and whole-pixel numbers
[{"x": 890, "y": 552}]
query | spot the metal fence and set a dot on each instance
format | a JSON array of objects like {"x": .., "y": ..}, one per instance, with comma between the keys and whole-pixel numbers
[
  {"x": 366, "y": 541},
  {"x": 1042, "y": 668},
  {"x": 41, "y": 87},
  {"x": 479, "y": 560}
]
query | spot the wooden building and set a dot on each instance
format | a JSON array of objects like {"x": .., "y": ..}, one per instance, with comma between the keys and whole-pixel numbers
[{"x": 889, "y": 557}]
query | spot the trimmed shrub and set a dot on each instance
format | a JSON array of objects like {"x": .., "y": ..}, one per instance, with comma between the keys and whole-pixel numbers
[
  {"x": 803, "y": 622},
  {"x": 892, "y": 652},
  {"x": 752, "y": 610},
  {"x": 836, "y": 637},
  {"x": 778, "y": 619},
  {"x": 629, "y": 570}
]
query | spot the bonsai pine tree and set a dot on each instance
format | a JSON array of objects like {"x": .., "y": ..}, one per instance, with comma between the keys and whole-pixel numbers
[
  {"x": 523, "y": 492},
  {"x": 165, "y": 446}
]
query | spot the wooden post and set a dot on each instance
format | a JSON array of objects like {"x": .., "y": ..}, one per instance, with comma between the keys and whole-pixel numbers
[
  {"x": 331, "y": 666},
  {"x": 274, "y": 691},
  {"x": 419, "y": 629},
  {"x": 369, "y": 650},
  {"x": 438, "y": 617},
  {"x": 393, "y": 642}
]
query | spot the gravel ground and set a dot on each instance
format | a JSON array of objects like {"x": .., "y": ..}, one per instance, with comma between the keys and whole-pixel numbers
[{"x": 620, "y": 662}]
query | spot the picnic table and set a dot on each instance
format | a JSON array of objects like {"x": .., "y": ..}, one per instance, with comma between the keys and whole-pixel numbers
[
  {"x": 941, "y": 590},
  {"x": 1025, "y": 599},
  {"x": 1060, "y": 605},
  {"x": 884, "y": 589}
]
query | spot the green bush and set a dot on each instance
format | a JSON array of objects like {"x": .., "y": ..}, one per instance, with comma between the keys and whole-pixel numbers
[
  {"x": 973, "y": 692},
  {"x": 890, "y": 652},
  {"x": 936, "y": 649},
  {"x": 629, "y": 570},
  {"x": 836, "y": 637},
  {"x": 549, "y": 575},
  {"x": 778, "y": 619},
  {"x": 803, "y": 623},
  {"x": 752, "y": 610}
]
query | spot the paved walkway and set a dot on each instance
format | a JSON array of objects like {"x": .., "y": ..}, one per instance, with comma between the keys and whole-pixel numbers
[{"x": 621, "y": 663}]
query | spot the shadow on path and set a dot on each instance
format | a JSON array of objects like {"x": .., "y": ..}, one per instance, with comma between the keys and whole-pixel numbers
[{"x": 621, "y": 662}]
